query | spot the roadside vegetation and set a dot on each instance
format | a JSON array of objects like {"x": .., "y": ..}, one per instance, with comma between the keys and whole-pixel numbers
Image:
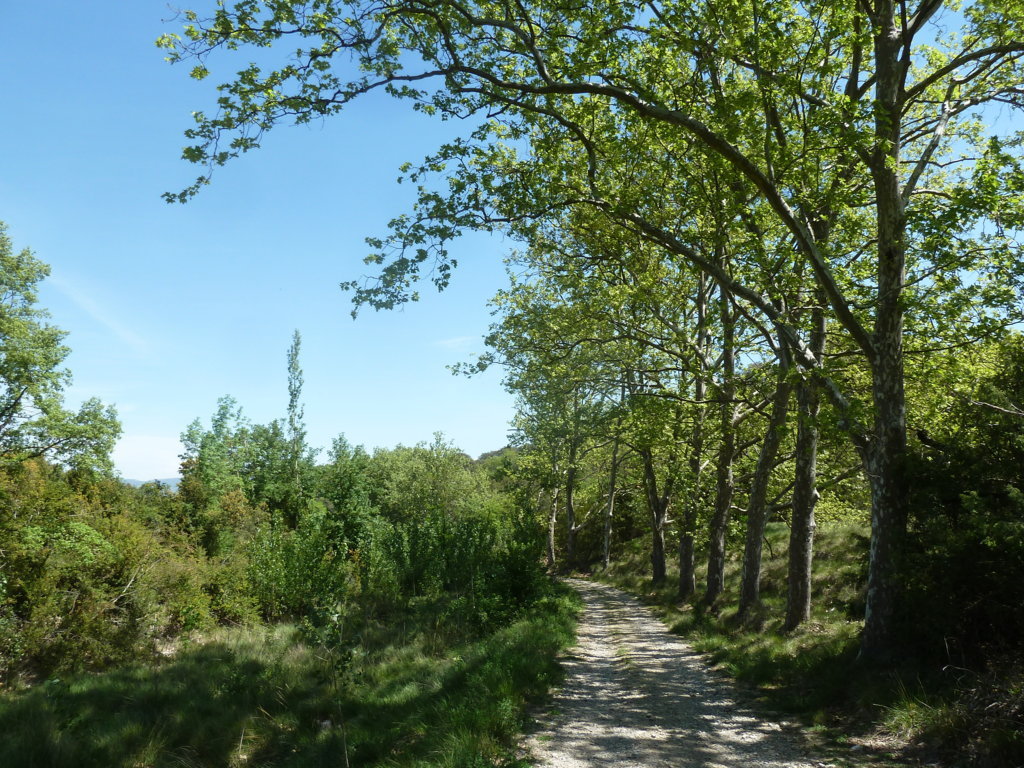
[
  {"x": 416, "y": 691},
  {"x": 278, "y": 608}
]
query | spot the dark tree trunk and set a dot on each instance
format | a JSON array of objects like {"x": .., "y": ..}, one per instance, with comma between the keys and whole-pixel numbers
[
  {"x": 658, "y": 555},
  {"x": 805, "y": 497},
  {"x": 687, "y": 575},
  {"x": 888, "y": 506},
  {"x": 658, "y": 506},
  {"x": 757, "y": 506},
  {"x": 887, "y": 452}
]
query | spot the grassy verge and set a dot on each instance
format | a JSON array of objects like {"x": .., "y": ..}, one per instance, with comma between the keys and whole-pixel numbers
[{"x": 410, "y": 694}]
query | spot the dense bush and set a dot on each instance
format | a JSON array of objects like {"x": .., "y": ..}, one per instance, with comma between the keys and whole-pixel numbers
[
  {"x": 91, "y": 574},
  {"x": 96, "y": 572},
  {"x": 964, "y": 561},
  {"x": 300, "y": 571}
]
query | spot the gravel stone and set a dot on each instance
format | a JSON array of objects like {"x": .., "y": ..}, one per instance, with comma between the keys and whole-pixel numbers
[{"x": 637, "y": 696}]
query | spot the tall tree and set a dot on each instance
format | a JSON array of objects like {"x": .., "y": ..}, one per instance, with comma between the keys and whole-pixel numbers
[
  {"x": 757, "y": 503},
  {"x": 724, "y": 486},
  {"x": 296, "y": 432},
  {"x": 33, "y": 419}
]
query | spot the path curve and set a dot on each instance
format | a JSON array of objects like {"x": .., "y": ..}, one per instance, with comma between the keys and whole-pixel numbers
[{"x": 637, "y": 696}]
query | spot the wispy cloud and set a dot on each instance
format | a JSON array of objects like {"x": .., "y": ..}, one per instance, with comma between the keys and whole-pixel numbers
[
  {"x": 101, "y": 316},
  {"x": 457, "y": 342}
]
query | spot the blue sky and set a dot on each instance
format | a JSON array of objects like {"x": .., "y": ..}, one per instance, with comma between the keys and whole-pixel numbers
[{"x": 169, "y": 307}]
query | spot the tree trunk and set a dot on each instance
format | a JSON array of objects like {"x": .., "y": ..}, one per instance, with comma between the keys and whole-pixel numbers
[
  {"x": 658, "y": 554},
  {"x": 724, "y": 485},
  {"x": 658, "y": 506},
  {"x": 613, "y": 477},
  {"x": 687, "y": 576},
  {"x": 688, "y": 526},
  {"x": 570, "y": 512},
  {"x": 552, "y": 521},
  {"x": 888, "y": 505},
  {"x": 887, "y": 453},
  {"x": 805, "y": 494},
  {"x": 610, "y": 509},
  {"x": 757, "y": 512}
]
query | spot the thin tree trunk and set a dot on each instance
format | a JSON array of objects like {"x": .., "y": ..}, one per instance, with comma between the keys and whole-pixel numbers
[
  {"x": 805, "y": 497},
  {"x": 570, "y": 511},
  {"x": 805, "y": 493},
  {"x": 610, "y": 509},
  {"x": 552, "y": 521},
  {"x": 724, "y": 482},
  {"x": 688, "y": 526},
  {"x": 687, "y": 576},
  {"x": 658, "y": 506},
  {"x": 613, "y": 477},
  {"x": 757, "y": 507}
]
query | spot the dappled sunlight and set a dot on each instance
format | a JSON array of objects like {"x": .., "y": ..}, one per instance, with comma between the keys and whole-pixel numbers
[{"x": 636, "y": 695}]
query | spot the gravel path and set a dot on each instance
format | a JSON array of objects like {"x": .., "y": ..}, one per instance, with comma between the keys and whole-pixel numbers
[{"x": 637, "y": 696}]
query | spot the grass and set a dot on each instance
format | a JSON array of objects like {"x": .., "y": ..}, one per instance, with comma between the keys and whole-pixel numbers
[
  {"x": 978, "y": 720},
  {"x": 413, "y": 696}
]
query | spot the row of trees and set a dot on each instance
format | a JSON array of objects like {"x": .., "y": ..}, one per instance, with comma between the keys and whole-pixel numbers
[
  {"x": 737, "y": 200},
  {"x": 627, "y": 426}
]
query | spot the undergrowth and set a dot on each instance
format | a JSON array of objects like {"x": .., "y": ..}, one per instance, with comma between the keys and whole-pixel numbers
[{"x": 413, "y": 692}]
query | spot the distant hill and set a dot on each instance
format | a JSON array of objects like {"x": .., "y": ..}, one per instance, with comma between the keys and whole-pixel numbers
[
  {"x": 491, "y": 454},
  {"x": 170, "y": 482}
]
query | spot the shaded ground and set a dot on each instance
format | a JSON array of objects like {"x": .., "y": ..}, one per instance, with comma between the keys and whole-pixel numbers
[{"x": 636, "y": 695}]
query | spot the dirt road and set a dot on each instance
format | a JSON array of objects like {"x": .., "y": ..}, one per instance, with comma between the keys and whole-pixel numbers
[{"x": 636, "y": 695}]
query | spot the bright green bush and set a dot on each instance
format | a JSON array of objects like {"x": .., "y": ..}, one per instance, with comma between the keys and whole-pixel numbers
[{"x": 302, "y": 571}]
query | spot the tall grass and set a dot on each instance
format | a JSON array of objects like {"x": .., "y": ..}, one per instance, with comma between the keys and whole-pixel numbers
[{"x": 411, "y": 694}]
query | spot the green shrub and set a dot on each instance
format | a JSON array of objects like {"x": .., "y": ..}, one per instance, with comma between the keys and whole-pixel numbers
[
  {"x": 302, "y": 571},
  {"x": 964, "y": 562}
]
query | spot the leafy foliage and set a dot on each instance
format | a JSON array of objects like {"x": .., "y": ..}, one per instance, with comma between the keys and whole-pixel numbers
[
  {"x": 964, "y": 566},
  {"x": 33, "y": 419},
  {"x": 410, "y": 694}
]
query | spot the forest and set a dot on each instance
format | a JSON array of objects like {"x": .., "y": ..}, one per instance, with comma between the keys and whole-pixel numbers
[{"x": 763, "y": 326}]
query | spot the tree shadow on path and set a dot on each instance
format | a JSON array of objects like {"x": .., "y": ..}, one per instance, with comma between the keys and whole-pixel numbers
[{"x": 636, "y": 695}]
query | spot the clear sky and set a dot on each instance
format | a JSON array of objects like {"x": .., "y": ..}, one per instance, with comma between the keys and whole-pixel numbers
[{"x": 169, "y": 307}]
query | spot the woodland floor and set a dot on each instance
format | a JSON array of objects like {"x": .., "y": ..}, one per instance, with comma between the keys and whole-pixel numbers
[{"x": 636, "y": 695}]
